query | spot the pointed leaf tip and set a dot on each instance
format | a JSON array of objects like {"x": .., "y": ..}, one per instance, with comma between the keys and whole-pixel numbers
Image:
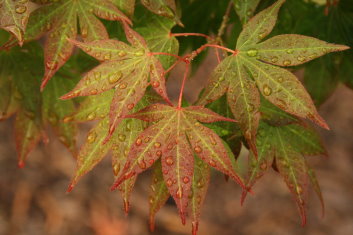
[
  {"x": 152, "y": 224},
  {"x": 21, "y": 164},
  {"x": 70, "y": 188},
  {"x": 195, "y": 227},
  {"x": 126, "y": 207}
]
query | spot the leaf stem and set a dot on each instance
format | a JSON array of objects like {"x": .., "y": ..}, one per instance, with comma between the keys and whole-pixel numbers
[{"x": 183, "y": 84}]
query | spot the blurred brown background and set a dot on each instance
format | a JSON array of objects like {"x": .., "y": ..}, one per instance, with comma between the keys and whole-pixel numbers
[{"x": 33, "y": 200}]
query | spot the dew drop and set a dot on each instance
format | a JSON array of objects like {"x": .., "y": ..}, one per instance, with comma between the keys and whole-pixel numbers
[
  {"x": 52, "y": 65},
  {"x": 169, "y": 161},
  {"x": 142, "y": 164},
  {"x": 20, "y": 9},
  {"x": 186, "y": 180},
  {"x": 122, "y": 86},
  {"x": 91, "y": 116},
  {"x": 157, "y": 145},
  {"x": 138, "y": 142},
  {"x": 94, "y": 92},
  {"x": 252, "y": 52},
  {"x": 212, "y": 163},
  {"x": 91, "y": 137},
  {"x": 169, "y": 182},
  {"x": 116, "y": 169},
  {"x": 274, "y": 59},
  {"x": 290, "y": 51},
  {"x": 179, "y": 193},
  {"x": 159, "y": 153},
  {"x": 199, "y": 184},
  {"x": 155, "y": 84},
  {"x": 122, "y": 53},
  {"x": 280, "y": 79},
  {"x": 287, "y": 62},
  {"x": 301, "y": 58},
  {"x": 122, "y": 137},
  {"x": 130, "y": 106},
  {"x": 115, "y": 77},
  {"x": 267, "y": 90},
  {"x": 198, "y": 149}
]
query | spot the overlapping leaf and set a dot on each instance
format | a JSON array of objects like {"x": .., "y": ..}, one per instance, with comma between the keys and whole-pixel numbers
[
  {"x": 59, "y": 19},
  {"x": 245, "y": 8},
  {"x": 125, "y": 68},
  {"x": 14, "y": 16},
  {"x": 175, "y": 138},
  {"x": 249, "y": 69},
  {"x": 19, "y": 82},
  {"x": 126, "y": 6},
  {"x": 286, "y": 146}
]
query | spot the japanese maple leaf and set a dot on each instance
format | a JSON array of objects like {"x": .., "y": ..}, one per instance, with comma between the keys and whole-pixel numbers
[
  {"x": 175, "y": 138},
  {"x": 286, "y": 148},
  {"x": 251, "y": 70},
  {"x": 14, "y": 16},
  {"x": 59, "y": 19},
  {"x": 128, "y": 69}
]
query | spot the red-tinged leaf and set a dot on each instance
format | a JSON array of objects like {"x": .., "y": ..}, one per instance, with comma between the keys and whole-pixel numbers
[
  {"x": 315, "y": 184},
  {"x": 127, "y": 69},
  {"x": 284, "y": 90},
  {"x": 205, "y": 115},
  {"x": 126, "y": 6},
  {"x": 245, "y": 8},
  {"x": 209, "y": 147},
  {"x": 92, "y": 151},
  {"x": 124, "y": 138},
  {"x": 92, "y": 108},
  {"x": 165, "y": 8},
  {"x": 167, "y": 139},
  {"x": 200, "y": 182},
  {"x": 159, "y": 193},
  {"x": 258, "y": 166},
  {"x": 178, "y": 168},
  {"x": 292, "y": 49},
  {"x": 242, "y": 95},
  {"x": 60, "y": 19},
  {"x": 14, "y": 16},
  {"x": 259, "y": 26},
  {"x": 244, "y": 102},
  {"x": 293, "y": 168},
  {"x": 27, "y": 134}
]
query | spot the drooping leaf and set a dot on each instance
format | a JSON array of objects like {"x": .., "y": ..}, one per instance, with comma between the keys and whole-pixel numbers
[
  {"x": 59, "y": 19},
  {"x": 287, "y": 146},
  {"x": 245, "y": 8},
  {"x": 126, "y": 68},
  {"x": 14, "y": 16},
  {"x": 175, "y": 137}
]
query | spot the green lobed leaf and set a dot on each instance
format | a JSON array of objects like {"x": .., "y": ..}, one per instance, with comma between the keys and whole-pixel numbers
[
  {"x": 59, "y": 19},
  {"x": 165, "y": 8},
  {"x": 126, "y": 6}
]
